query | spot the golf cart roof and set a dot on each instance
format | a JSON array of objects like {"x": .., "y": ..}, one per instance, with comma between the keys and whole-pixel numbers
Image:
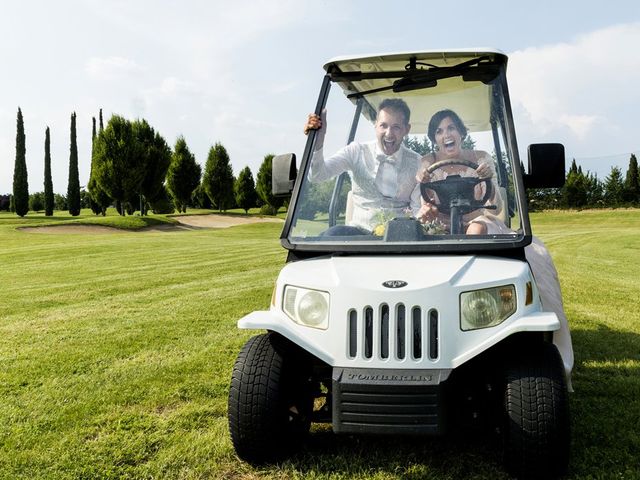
[{"x": 379, "y": 76}]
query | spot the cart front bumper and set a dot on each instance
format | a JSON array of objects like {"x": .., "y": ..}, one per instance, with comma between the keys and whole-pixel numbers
[{"x": 398, "y": 402}]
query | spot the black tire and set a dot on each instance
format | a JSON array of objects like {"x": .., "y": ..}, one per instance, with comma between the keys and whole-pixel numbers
[
  {"x": 270, "y": 403},
  {"x": 536, "y": 430}
]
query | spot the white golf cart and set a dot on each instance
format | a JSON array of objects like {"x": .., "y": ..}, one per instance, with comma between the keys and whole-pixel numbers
[{"x": 409, "y": 328}]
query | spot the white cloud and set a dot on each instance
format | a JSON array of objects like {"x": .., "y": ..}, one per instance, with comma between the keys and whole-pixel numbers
[
  {"x": 580, "y": 125},
  {"x": 247, "y": 72},
  {"x": 579, "y": 92},
  {"x": 111, "y": 67}
]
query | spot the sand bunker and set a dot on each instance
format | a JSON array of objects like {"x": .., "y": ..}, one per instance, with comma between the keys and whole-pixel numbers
[
  {"x": 221, "y": 221},
  {"x": 186, "y": 222}
]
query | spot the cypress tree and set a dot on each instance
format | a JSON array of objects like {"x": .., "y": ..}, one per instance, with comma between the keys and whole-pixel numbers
[
  {"x": 99, "y": 198},
  {"x": 95, "y": 208},
  {"x": 245, "y": 190},
  {"x": 48, "y": 183},
  {"x": 20, "y": 182},
  {"x": 73, "y": 188},
  {"x": 218, "y": 178},
  {"x": 183, "y": 176},
  {"x": 101, "y": 124},
  {"x": 632, "y": 182}
]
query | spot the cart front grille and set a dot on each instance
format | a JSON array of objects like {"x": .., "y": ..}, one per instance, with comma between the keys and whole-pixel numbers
[{"x": 398, "y": 332}]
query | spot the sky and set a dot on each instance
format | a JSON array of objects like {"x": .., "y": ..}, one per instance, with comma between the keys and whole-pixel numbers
[{"x": 247, "y": 73}]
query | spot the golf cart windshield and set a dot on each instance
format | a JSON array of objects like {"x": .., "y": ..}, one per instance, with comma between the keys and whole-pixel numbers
[{"x": 352, "y": 195}]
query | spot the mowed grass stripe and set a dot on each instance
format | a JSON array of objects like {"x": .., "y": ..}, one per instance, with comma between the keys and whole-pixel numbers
[
  {"x": 117, "y": 352},
  {"x": 100, "y": 334},
  {"x": 135, "y": 270}
]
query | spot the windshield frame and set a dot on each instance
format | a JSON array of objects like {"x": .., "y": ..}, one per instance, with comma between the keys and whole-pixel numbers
[{"x": 471, "y": 244}]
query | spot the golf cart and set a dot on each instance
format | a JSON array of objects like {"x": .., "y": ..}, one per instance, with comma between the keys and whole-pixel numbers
[{"x": 409, "y": 328}]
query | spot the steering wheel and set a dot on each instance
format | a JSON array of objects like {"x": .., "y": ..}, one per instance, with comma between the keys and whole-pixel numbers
[{"x": 457, "y": 193}]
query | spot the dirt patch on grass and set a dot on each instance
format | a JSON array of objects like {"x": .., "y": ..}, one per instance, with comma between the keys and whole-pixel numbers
[{"x": 185, "y": 222}]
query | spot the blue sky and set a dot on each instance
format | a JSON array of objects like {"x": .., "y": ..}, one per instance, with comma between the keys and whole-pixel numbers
[{"x": 246, "y": 73}]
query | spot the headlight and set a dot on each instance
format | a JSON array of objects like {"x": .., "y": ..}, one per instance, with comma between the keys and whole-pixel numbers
[
  {"x": 307, "y": 307},
  {"x": 487, "y": 307}
]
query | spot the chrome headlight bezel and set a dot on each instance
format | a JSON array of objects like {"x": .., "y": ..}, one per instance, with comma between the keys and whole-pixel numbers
[
  {"x": 306, "y": 306},
  {"x": 487, "y": 307}
]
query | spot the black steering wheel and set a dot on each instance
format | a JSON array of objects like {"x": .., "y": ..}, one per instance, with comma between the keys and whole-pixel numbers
[{"x": 456, "y": 193}]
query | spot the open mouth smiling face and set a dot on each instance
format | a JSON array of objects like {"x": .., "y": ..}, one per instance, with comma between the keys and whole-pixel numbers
[
  {"x": 390, "y": 146},
  {"x": 448, "y": 138},
  {"x": 450, "y": 146},
  {"x": 391, "y": 127}
]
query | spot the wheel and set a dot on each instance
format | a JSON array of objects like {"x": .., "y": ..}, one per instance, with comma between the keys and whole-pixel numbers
[
  {"x": 536, "y": 430},
  {"x": 270, "y": 400}
]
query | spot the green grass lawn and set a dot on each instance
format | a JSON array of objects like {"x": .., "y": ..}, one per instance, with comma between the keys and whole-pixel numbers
[{"x": 117, "y": 350}]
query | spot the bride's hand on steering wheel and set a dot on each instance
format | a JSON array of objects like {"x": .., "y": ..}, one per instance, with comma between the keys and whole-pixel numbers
[
  {"x": 423, "y": 175},
  {"x": 484, "y": 170}
]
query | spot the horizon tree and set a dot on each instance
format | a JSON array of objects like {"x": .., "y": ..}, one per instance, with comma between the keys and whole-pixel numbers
[
  {"x": 60, "y": 201},
  {"x": 95, "y": 208},
  {"x": 100, "y": 200},
  {"x": 263, "y": 184},
  {"x": 36, "y": 201},
  {"x": 218, "y": 178},
  {"x": 73, "y": 187},
  {"x": 244, "y": 190},
  {"x": 632, "y": 182},
  {"x": 118, "y": 168},
  {"x": 183, "y": 176},
  {"x": 48, "y": 182},
  {"x": 574, "y": 191},
  {"x": 20, "y": 181},
  {"x": 421, "y": 145},
  {"x": 614, "y": 188},
  {"x": 155, "y": 159},
  {"x": 595, "y": 190}
]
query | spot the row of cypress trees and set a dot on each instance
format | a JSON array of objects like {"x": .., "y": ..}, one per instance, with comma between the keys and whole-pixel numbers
[
  {"x": 20, "y": 198},
  {"x": 132, "y": 165}
]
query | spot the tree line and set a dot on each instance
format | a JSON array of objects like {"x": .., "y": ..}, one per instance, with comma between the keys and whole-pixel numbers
[
  {"x": 135, "y": 170},
  {"x": 584, "y": 190}
]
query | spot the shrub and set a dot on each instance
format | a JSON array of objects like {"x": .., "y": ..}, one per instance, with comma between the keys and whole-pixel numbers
[{"x": 267, "y": 209}]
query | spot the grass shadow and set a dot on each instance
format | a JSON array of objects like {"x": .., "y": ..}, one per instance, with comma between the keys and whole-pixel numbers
[
  {"x": 605, "y": 407},
  {"x": 459, "y": 454},
  {"x": 605, "y": 423}
]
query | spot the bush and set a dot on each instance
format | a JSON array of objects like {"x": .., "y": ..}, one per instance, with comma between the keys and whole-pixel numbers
[
  {"x": 36, "y": 202},
  {"x": 267, "y": 209}
]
